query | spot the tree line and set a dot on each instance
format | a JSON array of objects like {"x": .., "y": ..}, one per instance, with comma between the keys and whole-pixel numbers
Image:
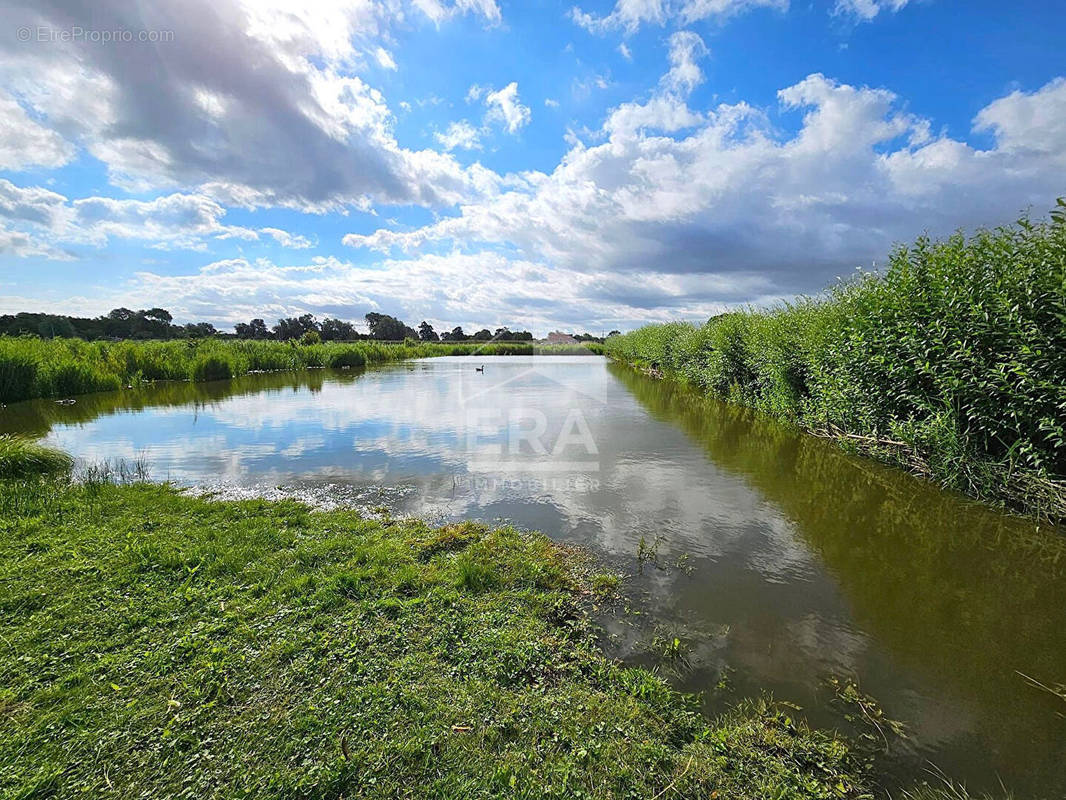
[{"x": 158, "y": 323}]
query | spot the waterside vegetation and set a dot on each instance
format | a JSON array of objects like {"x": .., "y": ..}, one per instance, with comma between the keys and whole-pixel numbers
[
  {"x": 950, "y": 363},
  {"x": 31, "y": 367}
]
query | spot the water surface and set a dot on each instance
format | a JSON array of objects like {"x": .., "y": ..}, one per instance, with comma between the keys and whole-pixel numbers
[{"x": 778, "y": 559}]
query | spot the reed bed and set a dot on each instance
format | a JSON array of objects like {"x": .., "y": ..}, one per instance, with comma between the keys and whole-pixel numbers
[
  {"x": 31, "y": 367},
  {"x": 951, "y": 363}
]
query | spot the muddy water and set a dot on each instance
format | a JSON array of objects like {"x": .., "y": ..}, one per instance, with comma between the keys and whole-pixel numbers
[{"x": 776, "y": 559}]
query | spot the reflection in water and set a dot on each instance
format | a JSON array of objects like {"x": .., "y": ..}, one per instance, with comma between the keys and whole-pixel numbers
[
  {"x": 956, "y": 600},
  {"x": 801, "y": 561}
]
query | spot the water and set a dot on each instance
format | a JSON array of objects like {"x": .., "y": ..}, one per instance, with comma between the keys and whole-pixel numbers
[{"x": 779, "y": 560}]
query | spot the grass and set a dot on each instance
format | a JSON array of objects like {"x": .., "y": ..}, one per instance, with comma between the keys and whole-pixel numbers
[
  {"x": 22, "y": 459},
  {"x": 167, "y": 646},
  {"x": 31, "y": 367},
  {"x": 951, "y": 363}
]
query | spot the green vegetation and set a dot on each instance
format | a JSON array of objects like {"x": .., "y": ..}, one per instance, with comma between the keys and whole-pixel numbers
[
  {"x": 23, "y": 458},
  {"x": 32, "y": 367},
  {"x": 179, "y": 647},
  {"x": 952, "y": 363}
]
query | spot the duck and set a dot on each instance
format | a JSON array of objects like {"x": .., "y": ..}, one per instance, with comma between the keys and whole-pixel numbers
[{"x": 479, "y": 369}]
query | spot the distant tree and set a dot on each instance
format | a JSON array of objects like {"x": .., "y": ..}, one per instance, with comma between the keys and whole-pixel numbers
[
  {"x": 503, "y": 334},
  {"x": 337, "y": 330},
  {"x": 200, "y": 330},
  {"x": 388, "y": 328},
  {"x": 614, "y": 333},
  {"x": 295, "y": 327},
  {"x": 51, "y": 327},
  {"x": 454, "y": 335},
  {"x": 426, "y": 333},
  {"x": 256, "y": 329},
  {"x": 521, "y": 336},
  {"x": 311, "y": 337},
  {"x": 157, "y": 315},
  {"x": 483, "y": 335}
]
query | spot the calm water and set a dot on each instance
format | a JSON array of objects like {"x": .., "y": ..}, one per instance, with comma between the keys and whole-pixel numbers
[{"x": 782, "y": 561}]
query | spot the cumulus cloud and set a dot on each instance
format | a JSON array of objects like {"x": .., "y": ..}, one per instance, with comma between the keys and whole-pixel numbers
[
  {"x": 461, "y": 135},
  {"x": 486, "y": 289},
  {"x": 169, "y": 221},
  {"x": 25, "y": 142},
  {"x": 503, "y": 105},
  {"x": 732, "y": 196},
  {"x": 260, "y": 101},
  {"x": 629, "y": 15}
]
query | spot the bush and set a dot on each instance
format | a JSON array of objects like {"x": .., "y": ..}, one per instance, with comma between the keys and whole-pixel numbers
[{"x": 311, "y": 337}]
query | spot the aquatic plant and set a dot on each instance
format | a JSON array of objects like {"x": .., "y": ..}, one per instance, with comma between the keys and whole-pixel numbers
[
  {"x": 951, "y": 363},
  {"x": 22, "y": 458},
  {"x": 31, "y": 367}
]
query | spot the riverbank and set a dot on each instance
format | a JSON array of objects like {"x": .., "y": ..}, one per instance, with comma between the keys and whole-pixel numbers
[
  {"x": 951, "y": 363},
  {"x": 175, "y": 646},
  {"x": 31, "y": 367}
]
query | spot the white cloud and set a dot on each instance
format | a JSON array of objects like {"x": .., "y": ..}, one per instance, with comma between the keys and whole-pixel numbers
[
  {"x": 169, "y": 221},
  {"x": 505, "y": 108},
  {"x": 866, "y": 10},
  {"x": 629, "y": 15},
  {"x": 733, "y": 197},
  {"x": 259, "y": 100},
  {"x": 484, "y": 289},
  {"x": 459, "y": 135},
  {"x": 550, "y": 103},
  {"x": 384, "y": 58},
  {"x": 623, "y": 50},
  {"x": 686, "y": 48},
  {"x": 25, "y": 142}
]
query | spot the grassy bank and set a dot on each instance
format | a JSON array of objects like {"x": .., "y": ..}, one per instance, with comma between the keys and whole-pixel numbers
[
  {"x": 161, "y": 645},
  {"x": 951, "y": 363},
  {"x": 31, "y": 367}
]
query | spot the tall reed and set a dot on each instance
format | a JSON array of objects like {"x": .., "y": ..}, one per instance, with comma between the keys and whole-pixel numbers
[{"x": 951, "y": 363}]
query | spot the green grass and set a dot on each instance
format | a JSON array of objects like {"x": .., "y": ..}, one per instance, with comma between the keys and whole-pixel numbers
[
  {"x": 31, "y": 367},
  {"x": 158, "y": 645},
  {"x": 22, "y": 459},
  {"x": 951, "y": 363}
]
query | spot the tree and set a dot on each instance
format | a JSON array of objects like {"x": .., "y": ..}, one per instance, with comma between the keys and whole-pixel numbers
[
  {"x": 198, "y": 330},
  {"x": 426, "y": 333},
  {"x": 483, "y": 335},
  {"x": 50, "y": 327},
  {"x": 256, "y": 329},
  {"x": 337, "y": 330},
  {"x": 454, "y": 335},
  {"x": 158, "y": 315},
  {"x": 614, "y": 333},
  {"x": 503, "y": 334},
  {"x": 388, "y": 328},
  {"x": 295, "y": 327}
]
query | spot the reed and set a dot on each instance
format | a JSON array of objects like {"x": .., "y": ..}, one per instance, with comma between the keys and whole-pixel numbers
[
  {"x": 31, "y": 367},
  {"x": 951, "y": 363}
]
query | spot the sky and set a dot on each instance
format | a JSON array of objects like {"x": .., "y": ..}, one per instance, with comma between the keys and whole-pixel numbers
[{"x": 485, "y": 163}]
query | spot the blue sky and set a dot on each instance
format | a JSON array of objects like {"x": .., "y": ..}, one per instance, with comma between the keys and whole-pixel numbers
[{"x": 480, "y": 162}]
